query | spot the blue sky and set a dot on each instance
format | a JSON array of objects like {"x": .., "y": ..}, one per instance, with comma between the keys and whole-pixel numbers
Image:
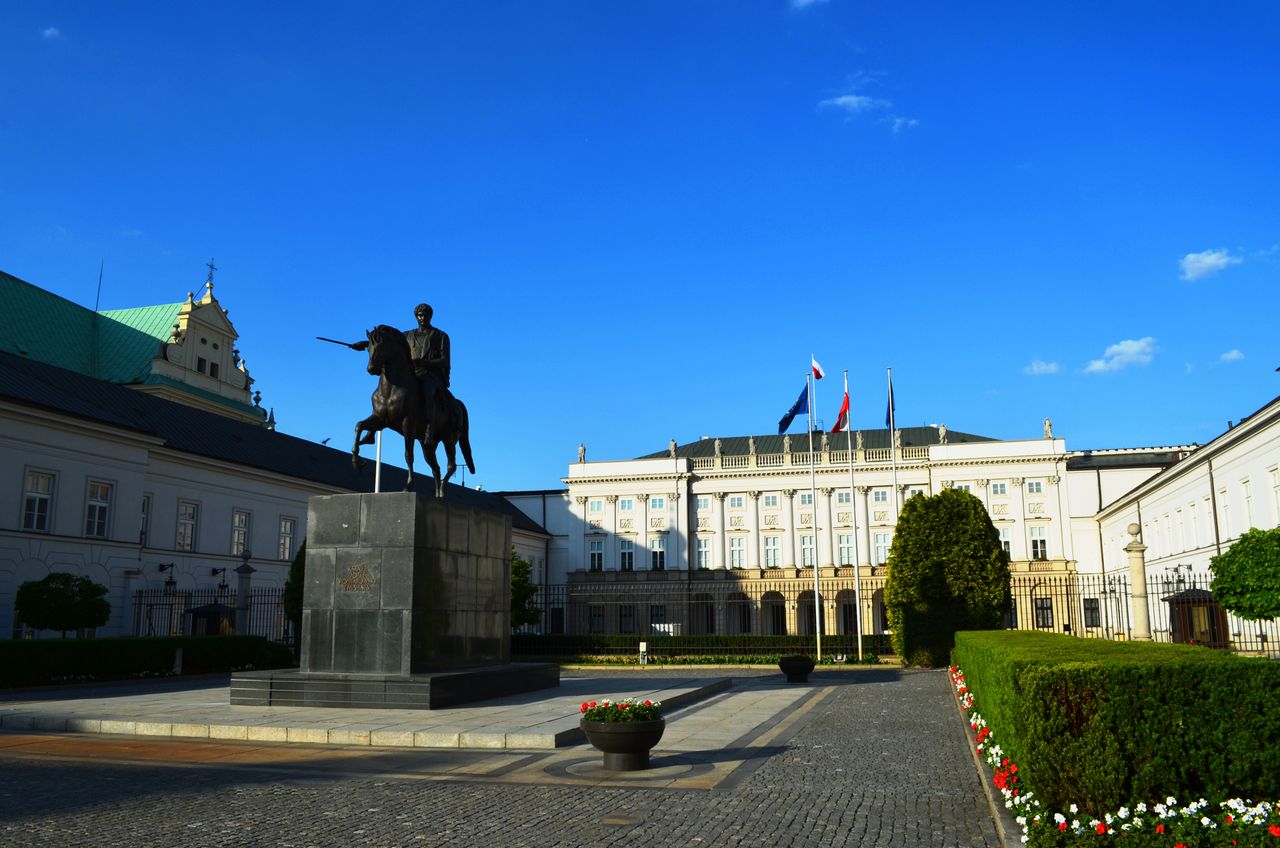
[{"x": 636, "y": 221}]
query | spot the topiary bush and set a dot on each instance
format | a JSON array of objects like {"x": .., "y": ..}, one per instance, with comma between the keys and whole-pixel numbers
[
  {"x": 62, "y": 602},
  {"x": 947, "y": 572},
  {"x": 1246, "y": 576}
]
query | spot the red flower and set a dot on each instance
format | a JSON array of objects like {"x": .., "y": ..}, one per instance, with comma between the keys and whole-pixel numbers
[
  {"x": 1159, "y": 828},
  {"x": 1102, "y": 828},
  {"x": 1062, "y": 825},
  {"x": 1181, "y": 845},
  {"x": 1274, "y": 830}
]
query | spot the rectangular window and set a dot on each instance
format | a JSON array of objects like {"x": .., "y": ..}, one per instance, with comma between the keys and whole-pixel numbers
[
  {"x": 1006, "y": 540},
  {"x": 239, "y": 531},
  {"x": 626, "y": 555},
  {"x": 657, "y": 614},
  {"x": 807, "y": 555},
  {"x": 37, "y": 502},
  {"x": 911, "y": 493},
  {"x": 657, "y": 504},
  {"x": 144, "y": 525},
  {"x": 1247, "y": 486},
  {"x": 1275, "y": 493},
  {"x": 703, "y": 553},
  {"x": 658, "y": 553},
  {"x": 284, "y": 550},
  {"x": 882, "y": 542},
  {"x": 595, "y": 613},
  {"x": 964, "y": 487},
  {"x": 626, "y": 504},
  {"x": 703, "y": 502},
  {"x": 1044, "y": 612},
  {"x": 806, "y": 499},
  {"x": 771, "y": 500},
  {"x": 1034, "y": 487},
  {"x": 844, "y": 497},
  {"x": 736, "y": 501},
  {"x": 772, "y": 551},
  {"x": 596, "y": 505},
  {"x": 213, "y": 370},
  {"x": 999, "y": 488},
  {"x": 97, "y": 509},
  {"x": 201, "y": 364},
  {"x": 1092, "y": 613},
  {"x": 595, "y": 554},
  {"x": 737, "y": 551},
  {"x": 627, "y": 618},
  {"x": 1039, "y": 543},
  {"x": 844, "y": 542},
  {"x": 188, "y": 524},
  {"x": 880, "y": 496}
]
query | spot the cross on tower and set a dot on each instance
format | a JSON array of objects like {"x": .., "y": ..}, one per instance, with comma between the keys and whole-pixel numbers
[{"x": 211, "y": 268}]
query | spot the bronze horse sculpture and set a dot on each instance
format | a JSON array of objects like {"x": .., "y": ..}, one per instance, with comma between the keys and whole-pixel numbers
[{"x": 400, "y": 404}]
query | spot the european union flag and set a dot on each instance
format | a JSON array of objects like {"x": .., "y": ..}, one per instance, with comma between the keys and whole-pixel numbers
[{"x": 801, "y": 405}]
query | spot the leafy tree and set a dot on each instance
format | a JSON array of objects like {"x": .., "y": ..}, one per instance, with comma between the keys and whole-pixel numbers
[
  {"x": 1246, "y": 577},
  {"x": 291, "y": 599},
  {"x": 523, "y": 590},
  {"x": 947, "y": 572},
  {"x": 62, "y": 602}
]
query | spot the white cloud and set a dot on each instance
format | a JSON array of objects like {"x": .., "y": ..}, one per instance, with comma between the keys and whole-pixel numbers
[
  {"x": 1123, "y": 354},
  {"x": 855, "y": 103},
  {"x": 800, "y": 5},
  {"x": 898, "y": 123},
  {"x": 1206, "y": 262},
  {"x": 50, "y": 32},
  {"x": 1039, "y": 368},
  {"x": 1233, "y": 355}
]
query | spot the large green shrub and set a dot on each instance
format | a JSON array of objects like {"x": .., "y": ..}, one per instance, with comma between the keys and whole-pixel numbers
[
  {"x": 1105, "y": 724},
  {"x": 947, "y": 572},
  {"x": 32, "y": 662},
  {"x": 523, "y": 591},
  {"x": 62, "y": 602},
  {"x": 1246, "y": 577}
]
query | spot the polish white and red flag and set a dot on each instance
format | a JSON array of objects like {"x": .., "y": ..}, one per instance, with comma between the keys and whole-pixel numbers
[
  {"x": 842, "y": 420},
  {"x": 818, "y": 373}
]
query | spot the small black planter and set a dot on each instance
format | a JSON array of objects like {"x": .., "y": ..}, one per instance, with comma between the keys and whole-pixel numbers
[
  {"x": 796, "y": 668},
  {"x": 625, "y": 744}
]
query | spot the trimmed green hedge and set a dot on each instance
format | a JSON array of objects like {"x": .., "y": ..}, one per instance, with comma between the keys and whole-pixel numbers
[
  {"x": 35, "y": 662},
  {"x": 1103, "y": 724}
]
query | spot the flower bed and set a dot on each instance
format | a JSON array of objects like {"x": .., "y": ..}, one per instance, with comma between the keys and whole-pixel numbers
[{"x": 1199, "y": 824}]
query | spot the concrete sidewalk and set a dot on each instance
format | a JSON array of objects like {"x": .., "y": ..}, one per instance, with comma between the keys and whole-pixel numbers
[{"x": 537, "y": 720}]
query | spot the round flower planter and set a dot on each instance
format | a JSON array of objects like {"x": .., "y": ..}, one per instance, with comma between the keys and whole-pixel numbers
[
  {"x": 625, "y": 744},
  {"x": 796, "y": 668}
]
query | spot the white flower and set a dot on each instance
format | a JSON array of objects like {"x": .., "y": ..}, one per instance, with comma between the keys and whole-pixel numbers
[
  {"x": 1025, "y": 838},
  {"x": 1073, "y": 809},
  {"x": 1059, "y": 818},
  {"x": 1123, "y": 812},
  {"x": 1141, "y": 807}
]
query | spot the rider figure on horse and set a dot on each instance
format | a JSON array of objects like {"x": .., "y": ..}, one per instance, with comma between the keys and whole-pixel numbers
[{"x": 429, "y": 347}]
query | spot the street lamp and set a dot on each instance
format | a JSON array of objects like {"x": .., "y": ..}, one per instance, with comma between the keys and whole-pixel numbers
[{"x": 170, "y": 584}]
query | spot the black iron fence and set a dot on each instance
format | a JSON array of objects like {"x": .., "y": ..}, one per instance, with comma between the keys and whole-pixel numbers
[
  {"x": 684, "y": 613},
  {"x": 209, "y": 612}
]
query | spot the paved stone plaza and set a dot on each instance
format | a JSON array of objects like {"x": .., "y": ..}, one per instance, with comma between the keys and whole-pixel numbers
[{"x": 873, "y": 757}]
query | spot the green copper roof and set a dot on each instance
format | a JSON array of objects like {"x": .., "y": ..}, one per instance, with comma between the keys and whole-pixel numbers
[{"x": 116, "y": 345}]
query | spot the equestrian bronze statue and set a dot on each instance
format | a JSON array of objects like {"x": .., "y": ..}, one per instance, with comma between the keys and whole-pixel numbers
[{"x": 413, "y": 396}]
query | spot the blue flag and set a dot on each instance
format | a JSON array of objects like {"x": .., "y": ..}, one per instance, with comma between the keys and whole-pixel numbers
[
  {"x": 890, "y": 409},
  {"x": 801, "y": 405}
]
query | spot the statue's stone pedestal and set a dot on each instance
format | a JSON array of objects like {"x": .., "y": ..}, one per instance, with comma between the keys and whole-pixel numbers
[{"x": 406, "y": 606}]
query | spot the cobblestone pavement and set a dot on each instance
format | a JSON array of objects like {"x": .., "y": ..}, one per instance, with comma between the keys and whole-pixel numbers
[{"x": 875, "y": 758}]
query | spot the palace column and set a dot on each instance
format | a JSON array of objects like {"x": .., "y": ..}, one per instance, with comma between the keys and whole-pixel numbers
[
  {"x": 611, "y": 549},
  {"x": 579, "y": 545},
  {"x": 753, "y": 527},
  {"x": 642, "y": 536},
  {"x": 789, "y": 537},
  {"x": 825, "y": 540},
  {"x": 862, "y": 508},
  {"x": 718, "y": 543},
  {"x": 679, "y": 558},
  {"x": 1019, "y": 547}
]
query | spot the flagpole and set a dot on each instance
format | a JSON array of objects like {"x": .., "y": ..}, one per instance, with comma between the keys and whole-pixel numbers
[
  {"x": 813, "y": 499},
  {"x": 853, "y": 511},
  {"x": 893, "y": 446}
]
